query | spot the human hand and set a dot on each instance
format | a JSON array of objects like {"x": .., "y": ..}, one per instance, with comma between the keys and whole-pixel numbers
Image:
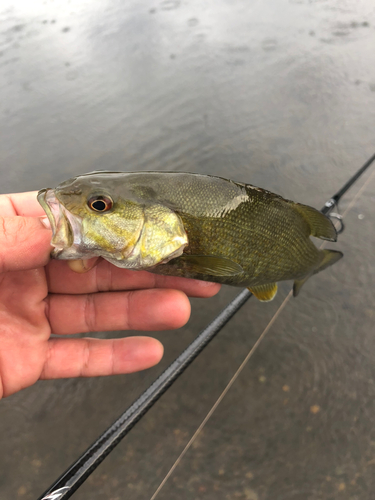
[{"x": 39, "y": 296}]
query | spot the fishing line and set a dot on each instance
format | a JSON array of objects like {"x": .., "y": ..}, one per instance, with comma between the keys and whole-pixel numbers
[
  {"x": 223, "y": 394},
  {"x": 249, "y": 355},
  {"x": 64, "y": 487}
]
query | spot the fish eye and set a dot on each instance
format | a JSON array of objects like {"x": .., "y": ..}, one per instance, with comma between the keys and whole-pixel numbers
[{"x": 100, "y": 203}]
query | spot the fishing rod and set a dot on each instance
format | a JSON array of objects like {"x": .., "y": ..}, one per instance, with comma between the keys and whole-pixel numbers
[
  {"x": 332, "y": 202},
  {"x": 64, "y": 487}
]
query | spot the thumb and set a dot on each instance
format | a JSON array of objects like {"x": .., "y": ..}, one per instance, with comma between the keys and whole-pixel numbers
[{"x": 24, "y": 243}]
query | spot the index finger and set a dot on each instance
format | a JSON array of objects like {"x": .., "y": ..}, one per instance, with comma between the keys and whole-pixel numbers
[
  {"x": 25, "y": 204},
  {"x": 105, "y": 277}
]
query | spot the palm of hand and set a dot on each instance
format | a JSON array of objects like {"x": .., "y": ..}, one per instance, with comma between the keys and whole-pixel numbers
[
  {"x": 25, "y": 329},
  {"x": 39, "y": 297}
]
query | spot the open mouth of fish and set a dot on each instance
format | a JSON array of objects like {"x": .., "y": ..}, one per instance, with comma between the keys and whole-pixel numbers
[{"x": 66, "y": 228}]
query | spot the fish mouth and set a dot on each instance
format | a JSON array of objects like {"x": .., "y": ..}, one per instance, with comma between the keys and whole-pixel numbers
[{"x": 65, "y": 228}]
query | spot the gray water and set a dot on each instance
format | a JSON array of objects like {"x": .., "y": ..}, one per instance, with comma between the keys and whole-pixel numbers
[{"x": 277, "y": 93}]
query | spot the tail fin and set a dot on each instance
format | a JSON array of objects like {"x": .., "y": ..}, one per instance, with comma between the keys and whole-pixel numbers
[
  {"x": 330, "y": 257},
  {"x": 320, "y": 225}
]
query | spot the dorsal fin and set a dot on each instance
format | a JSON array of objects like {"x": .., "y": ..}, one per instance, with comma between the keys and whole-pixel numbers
[{"x": 320, "y": 225}]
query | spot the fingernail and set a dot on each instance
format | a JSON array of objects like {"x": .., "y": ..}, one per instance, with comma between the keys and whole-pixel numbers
[
  {"x": 45, "y": 221},
  {"x": 77, "y": 266},
  {"x": 82, "y": 265}
]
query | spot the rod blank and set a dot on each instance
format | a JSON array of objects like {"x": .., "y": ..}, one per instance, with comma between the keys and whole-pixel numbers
[
  {"x": 64, "y": 487},
  {"x": 78, "y": 472}
]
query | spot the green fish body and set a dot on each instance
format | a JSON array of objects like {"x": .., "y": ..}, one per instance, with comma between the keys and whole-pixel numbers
[{"x": 189, "y": 225}]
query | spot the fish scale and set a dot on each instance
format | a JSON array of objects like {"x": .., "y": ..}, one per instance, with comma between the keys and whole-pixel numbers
[{"x": 190, "y": 225}]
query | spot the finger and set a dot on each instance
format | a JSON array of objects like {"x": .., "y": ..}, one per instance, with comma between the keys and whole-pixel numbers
[
  {"x": 24, "y": 243},
  {"x": 106, "y": 277},
  {"x": 25, "y": 204},
  {"x": 93, "y": 357},
  {"x": 83, "y": 265},
  {"x": 138, "y": 310}
]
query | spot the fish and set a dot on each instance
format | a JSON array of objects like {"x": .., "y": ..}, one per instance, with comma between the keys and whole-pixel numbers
[{"x": 189, "y": 225}]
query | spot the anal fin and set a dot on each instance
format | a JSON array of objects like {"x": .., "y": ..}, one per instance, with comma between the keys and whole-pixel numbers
[{"x": 264, "y": 293}]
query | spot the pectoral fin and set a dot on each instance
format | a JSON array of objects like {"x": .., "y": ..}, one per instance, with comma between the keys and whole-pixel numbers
[
  {"x": 208, "y": 264},
  {"x": 320, "y": 225},
  {"x": 264, "y": 293},
  {"x": 329, "y": 258}
]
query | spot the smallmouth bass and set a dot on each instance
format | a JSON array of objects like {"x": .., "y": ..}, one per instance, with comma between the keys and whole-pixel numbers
[{"x": 189, "y": 225}]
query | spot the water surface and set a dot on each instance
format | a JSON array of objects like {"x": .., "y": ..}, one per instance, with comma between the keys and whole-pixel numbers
[{"x": 277, "y": 93}]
